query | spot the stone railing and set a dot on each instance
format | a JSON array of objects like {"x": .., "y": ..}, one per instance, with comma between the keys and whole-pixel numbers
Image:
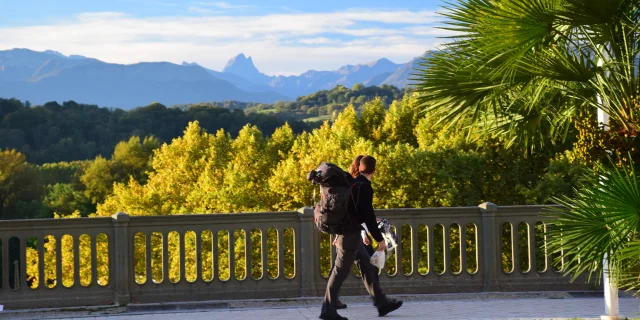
[{"x": 123, "y": 259}]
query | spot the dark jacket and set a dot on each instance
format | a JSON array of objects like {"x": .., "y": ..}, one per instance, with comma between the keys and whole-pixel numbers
[{"x": 362, "y": 207}]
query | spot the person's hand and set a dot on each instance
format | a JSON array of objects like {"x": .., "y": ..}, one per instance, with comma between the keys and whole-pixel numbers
[
  {"x": 382, "y": 245},
  {"x": 366, "y": 241},
  {"x": 335, "y": 242}
]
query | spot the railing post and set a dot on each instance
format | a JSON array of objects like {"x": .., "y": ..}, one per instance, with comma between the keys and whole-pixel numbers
[
  {"x": 121, "y": 256},
  {"x": 490, "y": 247},
  {"x": 308, "y": 253}
]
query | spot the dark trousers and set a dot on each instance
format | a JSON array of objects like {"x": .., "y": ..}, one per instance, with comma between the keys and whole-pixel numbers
[{"x": 349, "y": 250}]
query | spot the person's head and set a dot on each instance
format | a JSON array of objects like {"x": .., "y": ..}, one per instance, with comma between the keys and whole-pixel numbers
[
  {"x": 364, "y": 165},
  {"x": 354, "y": 170}
]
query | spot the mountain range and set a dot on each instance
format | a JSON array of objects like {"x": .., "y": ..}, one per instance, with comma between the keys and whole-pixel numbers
[{"x": 40, "y": 77}]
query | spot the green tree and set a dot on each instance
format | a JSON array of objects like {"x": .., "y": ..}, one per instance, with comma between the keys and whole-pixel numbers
[
  {"x": 400, "y": 121},
  {"x": 176, "y": 170},
  {"x": 206, "y": 197},
  {"x": 98, "y": 180},
  {"x": 347, "y": 127},
  {"x": 532, "y": 70},
  {"x": 245, "y": 183},
  {"x": 18, "y": 182},
  {"x": 602, "y": 219},
  {"x": 66, "y": 201},
  {"x": 373, "y": 114},
  {"x": 132, "y": 158}
]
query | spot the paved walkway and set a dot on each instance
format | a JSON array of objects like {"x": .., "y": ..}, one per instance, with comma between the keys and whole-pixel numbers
[{"x": 532, "y": 308}]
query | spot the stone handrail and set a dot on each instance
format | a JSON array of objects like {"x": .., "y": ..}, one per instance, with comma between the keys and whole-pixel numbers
[{"x": 123, "y": 259}]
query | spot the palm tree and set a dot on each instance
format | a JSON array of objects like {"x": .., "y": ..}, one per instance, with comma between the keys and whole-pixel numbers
[
  {"x": 533, "y": 71},
  {"x": 601, "y": 222},
  {"x": 538, "y": 71}
]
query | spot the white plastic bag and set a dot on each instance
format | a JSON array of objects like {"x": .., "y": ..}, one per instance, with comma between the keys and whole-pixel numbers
[{"x": 378, "y": 259}]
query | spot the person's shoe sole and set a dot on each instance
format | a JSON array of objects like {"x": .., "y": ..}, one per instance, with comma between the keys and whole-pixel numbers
[
  {"x": 396, "y": 306},
  {"x": 341, "y": 306}
]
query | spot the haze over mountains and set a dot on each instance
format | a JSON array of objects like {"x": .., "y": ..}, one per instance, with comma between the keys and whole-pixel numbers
[{"x": 40, "y": 77}]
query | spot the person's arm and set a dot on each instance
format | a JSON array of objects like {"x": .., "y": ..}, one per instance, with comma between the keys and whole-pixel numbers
[{"x": 365, "y": 206}]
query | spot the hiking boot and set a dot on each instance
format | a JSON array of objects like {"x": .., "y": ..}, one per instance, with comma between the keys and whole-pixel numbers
[
  {"x": 390, "y": 306},
  {"x": 340, "y": 305},
  {"x": 332, "y": 317}
]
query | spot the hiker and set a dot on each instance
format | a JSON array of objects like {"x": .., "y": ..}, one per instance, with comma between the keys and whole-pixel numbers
[{"x": 350, "y": 248}]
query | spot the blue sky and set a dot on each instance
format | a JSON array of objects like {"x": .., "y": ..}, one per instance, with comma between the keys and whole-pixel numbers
[{"x": 283, "y": 37}]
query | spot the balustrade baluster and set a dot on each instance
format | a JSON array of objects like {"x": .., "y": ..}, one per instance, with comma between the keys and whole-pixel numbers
[
  {"x": 432, "y": 252},
  {"x": 215, "y": 269},
  {"x": 532, "y": 246},
  {"x": 23, "y": 263},
  {"x": 76, "y": 260},
  {"x": 248, "y": 253},
  {"x": 515, "y": 248},
  {"x": 182, "y": 262},
  {"x": 5, "y": 263},
  {"x": 148, "y": 245},
  {"x": 198, "y": 239},
  {"x": 446, "y": 232},
  {"x": 58, "y": 261},
  {"x": 399, "y": 246},
  {"x": 41, "y": 281},
  {"x": 281, "y": 253},
  {"x": 94, "y": 260},
  {"x": 415, "y": 248},
  {"x": 232, "y": 255},
  {"x": 263, "y": 255},
  {"x": 165, "y": 257},
  {"x": 463, "y": 247}
]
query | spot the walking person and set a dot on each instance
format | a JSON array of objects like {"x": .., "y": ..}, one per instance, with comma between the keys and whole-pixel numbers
[{"x": 350, "y": 248}]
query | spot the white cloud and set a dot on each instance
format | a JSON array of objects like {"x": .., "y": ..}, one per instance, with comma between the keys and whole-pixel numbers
[
  {"x": 200, "y": 10},
  {"x": 222, "y": 5},
  {"x": 320, "y": 40},
  {"x": 277, "y": 42}
]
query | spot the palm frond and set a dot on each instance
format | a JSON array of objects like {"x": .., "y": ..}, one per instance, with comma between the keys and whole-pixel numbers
[
  {"x": 518, "y": 65},
  {"x": 597, "y": 221}
]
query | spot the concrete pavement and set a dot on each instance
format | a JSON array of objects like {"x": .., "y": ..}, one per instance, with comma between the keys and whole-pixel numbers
[{"x": 421, "y": 307}]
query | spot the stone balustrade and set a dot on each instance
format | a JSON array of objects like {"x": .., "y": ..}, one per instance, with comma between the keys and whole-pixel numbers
[{"x": 124, "y": 259}]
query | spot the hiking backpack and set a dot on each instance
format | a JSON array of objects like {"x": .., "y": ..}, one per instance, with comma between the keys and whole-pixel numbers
[{"x": 331, "y": 212}]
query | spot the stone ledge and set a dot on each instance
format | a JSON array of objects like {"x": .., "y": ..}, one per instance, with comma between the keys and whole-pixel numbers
[{"x": 176, "y": 307}]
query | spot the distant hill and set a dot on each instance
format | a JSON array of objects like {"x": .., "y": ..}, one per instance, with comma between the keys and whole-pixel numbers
[
  {"x": 312, "y": 80},
  {"x": 402, "y": 76},
  {"x": 39, "y": 77},
  {"x": 44, "y": 76},
  {"x": 244, "y": 68}
]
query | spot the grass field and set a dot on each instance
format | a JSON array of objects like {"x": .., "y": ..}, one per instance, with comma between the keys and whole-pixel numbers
[{"x": 319, "y": 118}]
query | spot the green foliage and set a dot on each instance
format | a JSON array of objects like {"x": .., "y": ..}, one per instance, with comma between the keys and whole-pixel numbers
[
  {"x": 201, "y": 172},
  {"x": 330, "y": 102},
  {"x": 18, "y": 183},
  {"x": 97, "y": 179},
  {"x": 72, "y": 131},
  {"x": 601, "y": 220},
  {"x": 64, "y": 200},
  {"x": 373, "y": 114},
  {"x": 533, "y": 72}
]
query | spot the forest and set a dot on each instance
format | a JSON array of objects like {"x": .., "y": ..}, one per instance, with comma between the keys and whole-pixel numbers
[
  {"x": 254, "y": 166},
  {"x": 419, "y": 165}
]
